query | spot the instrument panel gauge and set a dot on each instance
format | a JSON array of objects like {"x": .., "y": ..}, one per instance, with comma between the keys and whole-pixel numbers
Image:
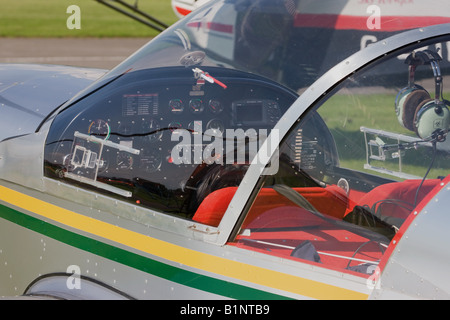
[
  {"x": 196, "y": 106},
  {"x": 100, "y": 129},
  {"x": 195, "y": 127},
  {"x": 216, "y": 126},
  {"x": 151, "y": 161},
  {"x": 124, "y": 160},
  {"x": 215, "y": 106},
  {"x": 125, "y": 130},
  {"x": 174, "y": 125},
  {"x": 151, "y": 130},
  {"x": 176, "y": 106}
]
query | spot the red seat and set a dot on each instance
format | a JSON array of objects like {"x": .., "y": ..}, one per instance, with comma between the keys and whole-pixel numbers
[
  {"x": 331, "y": 200},
  {"x": 213, "y": 207},
  {"x": 397, "y": 199}
]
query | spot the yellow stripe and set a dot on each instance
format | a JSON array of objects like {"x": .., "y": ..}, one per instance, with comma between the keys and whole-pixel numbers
[{"x": 174, "y": 253}]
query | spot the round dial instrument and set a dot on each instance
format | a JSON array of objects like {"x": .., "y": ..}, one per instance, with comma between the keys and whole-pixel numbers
[
  {"x": 176, "y": 106},
  {"x": 216, "y": 126},
  {"x": 124, "y": 160},
  {"x": 151, "y": 161},
  {"x": 196, "y": 106},
  {"x": 215, "y": 106},
  {"x": 100, "y": 129},
  {"x": 151, "y": 130},
  {"x": 174, "y": 125},
  {"x": 195, "y": 127}
]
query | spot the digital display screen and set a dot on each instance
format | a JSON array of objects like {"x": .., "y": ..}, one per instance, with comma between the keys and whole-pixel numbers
[
  {"x": 249, "y": 112},
  {"x": 140, "y": 104}
]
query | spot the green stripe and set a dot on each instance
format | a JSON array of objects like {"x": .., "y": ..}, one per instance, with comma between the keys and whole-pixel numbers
[{"x": 156, "y": 268}]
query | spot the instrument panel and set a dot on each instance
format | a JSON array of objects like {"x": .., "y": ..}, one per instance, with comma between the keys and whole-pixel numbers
[
  {"x": 130, "y": 141},
  {"x": 151, "y": 122}
]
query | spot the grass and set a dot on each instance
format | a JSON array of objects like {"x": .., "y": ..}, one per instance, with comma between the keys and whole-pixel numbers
[{"x": 47, "y": 18}]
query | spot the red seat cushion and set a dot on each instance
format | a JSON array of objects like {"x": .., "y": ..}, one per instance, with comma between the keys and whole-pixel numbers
[
  {"x": 331, "y": 200},
  {"x": 396, "y": 199},
  {"x": 213, "y": 207}
]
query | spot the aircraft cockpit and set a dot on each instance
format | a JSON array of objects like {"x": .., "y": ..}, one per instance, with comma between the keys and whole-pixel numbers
[
  {"x": 176, "y": 127},
  {"x": 156, "y": 139}
]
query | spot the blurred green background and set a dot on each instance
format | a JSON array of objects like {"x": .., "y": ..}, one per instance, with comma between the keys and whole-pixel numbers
[{"x": 47, "y": 18}]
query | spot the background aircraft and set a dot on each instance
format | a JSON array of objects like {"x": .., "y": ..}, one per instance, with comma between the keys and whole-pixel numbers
[{"x": 184, "y": 7}]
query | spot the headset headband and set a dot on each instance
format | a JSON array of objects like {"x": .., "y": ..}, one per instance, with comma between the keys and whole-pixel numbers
[{"x": 422, "y": 58}]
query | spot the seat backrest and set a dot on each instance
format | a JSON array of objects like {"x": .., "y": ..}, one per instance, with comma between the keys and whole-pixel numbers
[
  {"x": 213, "y": 207},
  {"x": 397, "y": 199},
  {"x": 331, "y": 200}
]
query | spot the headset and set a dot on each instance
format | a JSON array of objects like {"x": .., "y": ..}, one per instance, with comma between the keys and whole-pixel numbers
[{"x": 416, "y": 110}]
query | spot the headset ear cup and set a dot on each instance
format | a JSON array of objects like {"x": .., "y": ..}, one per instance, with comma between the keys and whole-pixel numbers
[
  {"x": 411, "y": 106},
  {"x": 416, "y": 120},
  {"x": 431, "y": 116}
]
